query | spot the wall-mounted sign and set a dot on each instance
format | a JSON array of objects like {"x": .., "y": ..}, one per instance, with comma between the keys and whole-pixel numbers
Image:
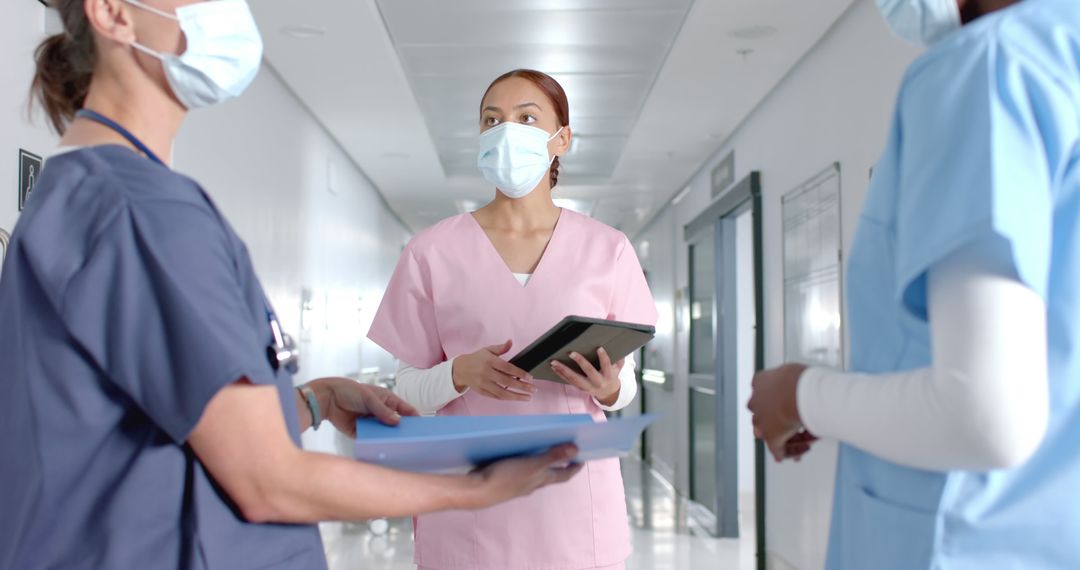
[
  {"x": 29, "y": 172},
  {"x": 724, "y": 174}
]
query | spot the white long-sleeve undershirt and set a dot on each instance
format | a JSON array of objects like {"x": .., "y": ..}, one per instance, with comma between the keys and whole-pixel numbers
[{"x": 983, "y": 403}]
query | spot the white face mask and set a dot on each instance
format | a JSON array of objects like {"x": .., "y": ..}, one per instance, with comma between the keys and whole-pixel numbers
[
  {"x": 224, "y": 51},
  {"x": 514, "y": 157},
  {"x": 922, "y": 22}
]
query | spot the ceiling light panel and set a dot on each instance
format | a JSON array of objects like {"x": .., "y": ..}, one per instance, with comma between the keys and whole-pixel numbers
[
  {"x": 488, "y": 6},
  {"x": 605, "y": 53},
  {"x": 450, "y": 61},
  {"x": 449, "y": 23}
]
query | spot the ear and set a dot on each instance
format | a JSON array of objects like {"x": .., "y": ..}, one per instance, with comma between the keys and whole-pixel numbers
[
  {"x": 562, "y": 142},
  {"x": 111, "y": 20}
]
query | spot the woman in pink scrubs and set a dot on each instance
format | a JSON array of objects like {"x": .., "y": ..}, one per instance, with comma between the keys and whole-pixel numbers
[{"x": 472, "y": 290}]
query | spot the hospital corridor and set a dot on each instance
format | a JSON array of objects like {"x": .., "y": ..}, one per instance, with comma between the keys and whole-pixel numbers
[{"x": 540, "y": 284}]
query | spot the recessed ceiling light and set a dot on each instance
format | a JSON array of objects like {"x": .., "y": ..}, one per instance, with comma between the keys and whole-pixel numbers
[
  {"x": 753, "y": 32},
  {"x": 304, "y": 31}
]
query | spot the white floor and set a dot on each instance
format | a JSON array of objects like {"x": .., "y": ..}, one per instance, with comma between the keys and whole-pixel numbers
[{"x": 664, "y": 538}]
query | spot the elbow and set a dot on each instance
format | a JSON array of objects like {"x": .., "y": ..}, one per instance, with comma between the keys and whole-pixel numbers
[
  {"x": 1003, "y": 456},
  {"x": 257, "y": 512},
  {"x": 262, "y": 506},
  {"x": 1011, "y": 441},
  {"x": 265, "y": 496}
]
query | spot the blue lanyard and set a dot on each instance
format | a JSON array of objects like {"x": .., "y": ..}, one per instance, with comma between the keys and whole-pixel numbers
[{"x": 99, "y": 118}]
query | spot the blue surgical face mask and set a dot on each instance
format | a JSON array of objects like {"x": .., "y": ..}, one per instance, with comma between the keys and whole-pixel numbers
[
  {"x": 922, "y": 22},
  {"x": 514, "y": 157},
  {"x": 223, "y": 55}
]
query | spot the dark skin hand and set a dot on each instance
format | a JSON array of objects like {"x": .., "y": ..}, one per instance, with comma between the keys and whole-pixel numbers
[
  {"x": 970, "y": 10},
  {"x": 774, "y": 405}
]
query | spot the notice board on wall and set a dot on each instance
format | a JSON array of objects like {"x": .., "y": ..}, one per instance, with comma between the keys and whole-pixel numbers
[{"x": 812, "y": 271}]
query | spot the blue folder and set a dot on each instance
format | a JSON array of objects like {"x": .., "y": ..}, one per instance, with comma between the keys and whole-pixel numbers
[{"x": 461, "y": 443}]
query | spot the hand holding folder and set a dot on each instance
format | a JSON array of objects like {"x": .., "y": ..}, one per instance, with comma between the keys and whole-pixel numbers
[{"x": 462, "y": 443}]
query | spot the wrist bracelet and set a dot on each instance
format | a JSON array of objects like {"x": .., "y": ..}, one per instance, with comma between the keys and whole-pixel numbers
[{"x": 312, "y": 404}]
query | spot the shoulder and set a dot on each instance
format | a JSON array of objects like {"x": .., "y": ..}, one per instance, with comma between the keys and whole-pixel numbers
[
  {"x": 96, "y": 204},
  {"x": 1037, "y": 38},
  {"x": 124, "y": 180},
  {"x": 439, "y": 236},
  {"x": 596, "y": 232}
]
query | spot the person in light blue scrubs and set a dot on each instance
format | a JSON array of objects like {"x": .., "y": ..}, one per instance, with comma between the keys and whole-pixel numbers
[
  {"x": 959, "y": 419},
  {"x": 148, "y": 418}
]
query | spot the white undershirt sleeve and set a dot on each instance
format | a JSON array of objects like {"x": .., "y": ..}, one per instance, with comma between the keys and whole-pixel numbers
[
  {"x": 427, "y": 389},
  {"x": 983, "y": 403},
  {"x": 627, "y": 386}
]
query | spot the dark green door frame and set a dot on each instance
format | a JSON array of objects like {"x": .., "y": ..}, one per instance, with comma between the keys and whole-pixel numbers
[{"x": 743, "y": 196}]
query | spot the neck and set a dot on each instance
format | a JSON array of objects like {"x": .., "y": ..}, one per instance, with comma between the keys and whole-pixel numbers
[
  {"x": 971, "y": 10},
  {"x": 536, "y": 210},
  {"x": 130, "y": 98}
]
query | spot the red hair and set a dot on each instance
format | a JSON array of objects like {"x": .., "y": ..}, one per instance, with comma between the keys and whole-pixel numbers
[{"x": 554, "y": 92}]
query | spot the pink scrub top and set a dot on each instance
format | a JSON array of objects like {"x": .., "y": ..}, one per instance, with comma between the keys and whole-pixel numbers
[{"x": 452, "y": 294}]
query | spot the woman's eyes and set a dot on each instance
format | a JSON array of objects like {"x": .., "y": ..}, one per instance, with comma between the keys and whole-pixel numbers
[{"x": 523, "y": 119}]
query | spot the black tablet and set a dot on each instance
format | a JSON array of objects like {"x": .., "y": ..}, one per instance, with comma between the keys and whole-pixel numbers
[{"x": 584, "y": 336}]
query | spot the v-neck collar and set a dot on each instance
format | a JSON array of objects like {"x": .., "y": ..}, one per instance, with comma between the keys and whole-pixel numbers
[{"x": 498, "y": 258}]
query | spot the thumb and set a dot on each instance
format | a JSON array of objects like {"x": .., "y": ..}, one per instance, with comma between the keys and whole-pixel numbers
[{"x": 500, "y": 349}]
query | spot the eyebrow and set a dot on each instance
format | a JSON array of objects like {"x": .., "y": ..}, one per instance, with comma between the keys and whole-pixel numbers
[{"x": 521, "y": 106}]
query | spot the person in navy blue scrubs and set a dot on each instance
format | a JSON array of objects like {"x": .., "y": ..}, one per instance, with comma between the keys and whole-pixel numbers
[{"x": 148, "y": 417}]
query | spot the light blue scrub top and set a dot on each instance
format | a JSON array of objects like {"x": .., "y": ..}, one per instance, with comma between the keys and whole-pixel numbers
[
  {"x": 984, "y": 143},
  {"x": 126, "y": 303}
]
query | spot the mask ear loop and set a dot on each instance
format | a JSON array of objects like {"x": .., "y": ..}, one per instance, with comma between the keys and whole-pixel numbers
[
  {"x": 157, "y": 12},
  {"x": 551, "y": 138},
  {"x": 147, "y": 50}
]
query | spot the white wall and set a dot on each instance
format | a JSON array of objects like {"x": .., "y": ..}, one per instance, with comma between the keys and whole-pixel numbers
[
  {"x": 668, "y": 440},
  {"x": 311, "y": 220},
  {"x": 835, "y": 106},
  {"x": 21, "y": 29}
]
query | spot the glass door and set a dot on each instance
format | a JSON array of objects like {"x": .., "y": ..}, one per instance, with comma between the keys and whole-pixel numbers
[{"x": 703, "y": 444}]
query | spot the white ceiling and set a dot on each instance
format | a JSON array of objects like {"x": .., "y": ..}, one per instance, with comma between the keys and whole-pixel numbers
[
  {"x": 655, "y": 86},
  {"x": 452, "y": 53}
]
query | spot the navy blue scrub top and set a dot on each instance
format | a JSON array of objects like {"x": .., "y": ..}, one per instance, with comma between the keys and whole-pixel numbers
[{"x": 126, "y": 303}]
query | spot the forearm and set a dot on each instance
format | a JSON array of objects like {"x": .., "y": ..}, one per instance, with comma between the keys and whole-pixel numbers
[
  {"x": 243, "y": 442},
  {"x": 983, "y": 402},
  {"x": 321, "y": 487},
  {"x": 904, "y": 417},
  {"x": 430, "y": 389}
]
